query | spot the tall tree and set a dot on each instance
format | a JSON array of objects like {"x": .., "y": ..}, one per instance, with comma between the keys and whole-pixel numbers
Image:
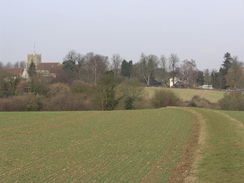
[
  {"x": 126, "y": 68},
  {"x": 215, "y": 78},
  {"x": 173, "y": 63},
  {"x": 9, "y": 65},
  {"x": 235, "y": 75},
  {"x": 16, "y": 64},
  {"x": 32, "y": 70},
  {"x": 22, "y": 64},
  {"x": 72, "y": 56},
  {"x": 200, "y": 78},
  {"x": 163, "y": 67},
  {"x": 207, "y": 77},
  {"x": 188, "y": 72},
  {"x": 224, "y": 69},
  {"x": 148, "y": 64},
  {"x": 97, "y": 65},
  {"x": 106, "y": 91},
  {"x": 116, "y": 62}
]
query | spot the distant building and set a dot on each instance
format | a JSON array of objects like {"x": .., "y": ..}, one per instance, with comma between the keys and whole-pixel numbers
[
  {"x": 17, "y": 72},
  {"x": 208, "y": 87},
  {"x": 43, "y": 69},
  {"x": 171, "y": 84}
]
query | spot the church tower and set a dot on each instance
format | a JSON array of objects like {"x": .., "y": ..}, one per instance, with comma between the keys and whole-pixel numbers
[{"x": 35, "y": 58}]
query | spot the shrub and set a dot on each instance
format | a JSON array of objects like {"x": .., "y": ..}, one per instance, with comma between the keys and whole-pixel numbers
[
  {"x": 164, "y": 98},
  {"x": 58, "y": 88},
  {"x": 67, "y": 102},
  {"x": 197, "y": 101},
  {"x": 21, "y": 103},
  {"x": 232, "y": 101}
]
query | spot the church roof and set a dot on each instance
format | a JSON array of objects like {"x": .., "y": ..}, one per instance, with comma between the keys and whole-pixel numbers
[{"x": 47, "y": 66}]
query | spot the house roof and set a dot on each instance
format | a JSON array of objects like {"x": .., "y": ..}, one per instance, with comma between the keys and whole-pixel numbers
[
  {"x": 56, "y": 68},
  {"x": 47, "y": 66},
  {"x": 15, "y": 71}
]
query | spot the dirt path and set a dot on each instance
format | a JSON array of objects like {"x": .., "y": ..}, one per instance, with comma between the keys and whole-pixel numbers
[
  {"x": 185, "y": 169},
  {"x": 203, "y": 93}
]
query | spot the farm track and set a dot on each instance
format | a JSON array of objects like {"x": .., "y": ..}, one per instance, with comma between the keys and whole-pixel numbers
[
  {"x": 126, "y": 146},
  {"x": 220, "y": 154}
]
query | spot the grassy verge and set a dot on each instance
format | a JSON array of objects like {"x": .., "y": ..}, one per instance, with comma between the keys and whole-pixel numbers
[
  {"x": 223, "y": 152},
  {"x": 238, "y": 115}
]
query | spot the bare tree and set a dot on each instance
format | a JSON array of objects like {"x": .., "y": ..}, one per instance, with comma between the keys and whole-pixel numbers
[
  {"x": 235, "y": 74},
  {"x": 22, "y": 64},
  {"x": 163, "y": 66},
  {"x": 148, "y": 65},
  {"x": 72, "y": 56},
  {"x": 116, "y": 63},
  {"x": 96, "y": 65},
  {"x": 9, "y": 65},
  {"x": 207, "y": 77},
  {"x": 173, "y": 63},
  {"x": 188, "y": 72},
  {"x": 16, "y": 64}
]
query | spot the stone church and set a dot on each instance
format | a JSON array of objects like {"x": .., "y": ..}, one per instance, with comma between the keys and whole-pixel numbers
[{"x": 48, "y": 69}]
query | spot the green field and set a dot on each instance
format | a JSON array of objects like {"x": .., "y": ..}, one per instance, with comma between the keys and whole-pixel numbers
[
  {"x": 126, "y": 146},
  {"x": 121, "y": 146},
  {"x": 187, "y": 94}
]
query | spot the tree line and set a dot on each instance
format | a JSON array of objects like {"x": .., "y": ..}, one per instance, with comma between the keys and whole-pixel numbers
[{"x": 95, "y": 82}]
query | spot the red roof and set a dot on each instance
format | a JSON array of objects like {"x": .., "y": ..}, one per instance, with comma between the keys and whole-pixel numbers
[
  {"x": 56, "y": 68},
  {"x": 15, "y": 71},
  {"x": 47, "y": 66}
]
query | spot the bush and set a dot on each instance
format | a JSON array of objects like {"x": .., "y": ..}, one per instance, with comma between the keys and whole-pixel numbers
[
  {"x": 67, "y": 102},
  {"x": 197, "y": 101},
  {"x": 232, "y": 101},
  {"x": 58, "y": 88},
  {"x": 164, "y": 98},
  {"x": 21, "y": 103}
]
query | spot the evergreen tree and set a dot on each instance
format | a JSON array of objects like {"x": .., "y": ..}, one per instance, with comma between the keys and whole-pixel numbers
[
  {"x": 126, "y": 68},
  {"x": 224, "y": 70},
  {"x": 200, "y": 78},
  {"x": 32, "y": 70}
]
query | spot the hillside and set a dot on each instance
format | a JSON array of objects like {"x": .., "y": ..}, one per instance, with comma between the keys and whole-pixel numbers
[{"x": 187, "y": 94}]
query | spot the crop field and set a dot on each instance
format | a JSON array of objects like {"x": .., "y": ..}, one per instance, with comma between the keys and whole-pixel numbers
[
  {"x": 187, "y": 94},
  {"x": 116, "y": 146}
]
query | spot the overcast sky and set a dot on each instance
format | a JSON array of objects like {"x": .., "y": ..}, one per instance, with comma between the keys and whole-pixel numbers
[{"x": 203, "y": 30}]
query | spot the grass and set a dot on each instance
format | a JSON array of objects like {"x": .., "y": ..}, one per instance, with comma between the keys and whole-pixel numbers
[
  {"x": 116, "y": 146},
  {"x": 187, "y": 94},
  {"x": 236, "y": 115},
  {"x": 223, "y": 152}
]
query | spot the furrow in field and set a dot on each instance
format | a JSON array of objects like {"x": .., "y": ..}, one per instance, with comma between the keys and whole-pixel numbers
[
  {"x": 38, "y": 122},
  {"x": 165, "y": 162},
  {"x": 48, "y": 127},
  {"x": 98, "y": 155},
  {"x": 40, "y": 160},
  {"x": 94, "y": 142}
]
